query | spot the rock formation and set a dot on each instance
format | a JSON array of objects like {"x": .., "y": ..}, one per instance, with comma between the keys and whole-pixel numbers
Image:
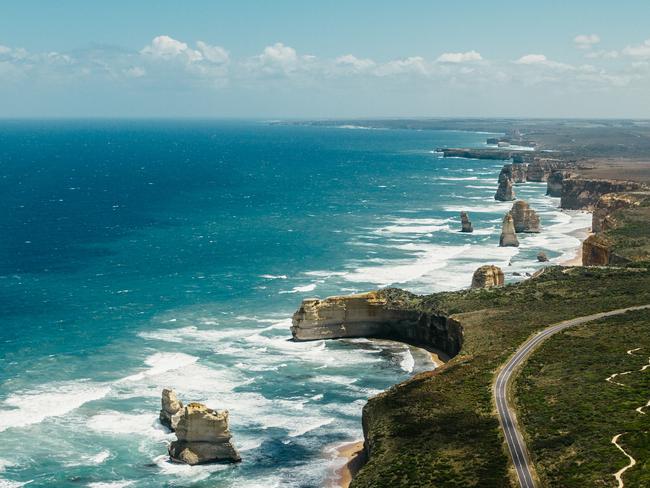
[
  {"x": 542, "y": 257},
  {"x": 583, "y": 194},
  {"x": 525, "y": 219},
  {"x": 171, "y": 410},
  {"x": 603, "y": 216},
  {"x": 541, "y": 168},
  {"x": 492, "y": 154},
  {"x": 554, "y": 182},
  {"x": 505, "y": 192},
  {"x": 508, "y": 236},
  {"x": 519, "y": 172},
  {"x": 466, "y": 223},
  {"x": 386, "y": 314},
  {"x": 487, "y": 277},
  {"x": 203, "y": 437}
]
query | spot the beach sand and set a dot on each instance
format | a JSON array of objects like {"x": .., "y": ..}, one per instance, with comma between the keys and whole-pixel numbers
[
  {"x": 581, "y": 234},
  {"x": 355, "y": 458}
]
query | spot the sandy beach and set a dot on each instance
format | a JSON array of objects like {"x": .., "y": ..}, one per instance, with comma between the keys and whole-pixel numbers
[
  {"x": 581, "y": 234},
  {"x": 354, "y": 457}
]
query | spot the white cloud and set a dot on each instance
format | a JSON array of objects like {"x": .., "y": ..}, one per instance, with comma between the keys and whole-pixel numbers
[
  {"x": 602, "y": 55},
  {"x": 411, "y": 65},
  {"x": 166, "y": 47},
  {"x": 586, "y": 41},
  {"x": 214, "y": 54},
  {"x": 532, "y": 59},
  {"x": 354, "y": 63},
  {"x": 641, "y": 51},
  {"x": 134, "y": 72},
  {"x": 460, "y": 57}
]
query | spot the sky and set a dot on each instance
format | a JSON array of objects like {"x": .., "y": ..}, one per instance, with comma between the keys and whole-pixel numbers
[{"x": 324, "y": 59}]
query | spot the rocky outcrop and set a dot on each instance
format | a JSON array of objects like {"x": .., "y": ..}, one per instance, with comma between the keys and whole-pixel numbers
[
  {"x": 542, "y": 257},
  {"x": 554, "y": 182},
  {"x": 505, "y": 191},
  {"x": 385, "y": 314},
  {"x": 525, "y": 219},
  {"x": 519, "y": 172},
  {"x": 465, "y": 223},
  {"x": 491, "y": 154},
  {"x": 583, "y": 194},
  {"x": 603, "y": 217},
  {"x": 203, "y": 437},
  {"x": 508, "y": 237},
  {"x": 541, "y": 168},
  {"x": 171, "y": 410},
  {"x": 487, "y": 277}
]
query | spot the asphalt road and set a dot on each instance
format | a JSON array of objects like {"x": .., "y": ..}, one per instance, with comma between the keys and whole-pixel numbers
[{"x": 516, "y": 444}]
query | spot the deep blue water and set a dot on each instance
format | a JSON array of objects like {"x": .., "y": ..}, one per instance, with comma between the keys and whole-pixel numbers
[{"x": 136, "y": 255}]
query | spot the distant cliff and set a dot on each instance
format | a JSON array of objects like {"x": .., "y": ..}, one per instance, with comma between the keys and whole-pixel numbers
[{"x": 583, "y": 194}]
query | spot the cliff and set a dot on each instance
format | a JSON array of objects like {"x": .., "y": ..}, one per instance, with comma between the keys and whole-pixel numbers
[
  {"x": 541, "y": 168},
  {"x": 583, "y": 194},
  {"x": 386, "y": 314},
  {"x": 492, "y": 154},
  {"x": 555, "y": 181}
]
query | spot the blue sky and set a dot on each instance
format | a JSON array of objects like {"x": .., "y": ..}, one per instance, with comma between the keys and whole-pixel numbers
[{"x": 325, "y": 59}]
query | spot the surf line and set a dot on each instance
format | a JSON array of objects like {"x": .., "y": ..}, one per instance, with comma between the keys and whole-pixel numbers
[{"x": 619, "y": 474}]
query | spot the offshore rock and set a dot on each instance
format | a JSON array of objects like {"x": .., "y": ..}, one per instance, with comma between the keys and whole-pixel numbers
[
  {"x": 508, "y": 236},
  {"x": 465, "y": 223},
  {"x": 525, "y": 219},
  {"x": 542, "y": 257},
  {"x": 171, "y": 410},
  {"x": 505, "y": 191},
  {"x": 387, "y": 314},
  {"x": 203, "y": 437},
  {"x": 487, "y": 277}
]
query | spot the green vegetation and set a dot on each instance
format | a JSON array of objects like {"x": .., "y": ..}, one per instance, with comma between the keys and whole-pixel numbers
[
  {"x": 570, "y": 413},
  {"x": 630, "y": 238},
  {"x": 440, "y": 428}
]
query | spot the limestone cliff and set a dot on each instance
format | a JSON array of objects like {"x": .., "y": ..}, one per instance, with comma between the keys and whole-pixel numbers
[
  {"x": 519, "y": 172},
  {"x": 384, "y": 314},
  {"x": 508, "y": 236},
  {"x": 554, "y": 182},
  {"x": 603, "y": 217},
  {"x": 579, "y": 193},
  {"x": 203, "y": 437},
  {"x": 525, "y": 219},
  {"x": 171, "y": 410},
  {"x": 541, "y": 168},
  {"x": 597, "y": 250},
  {"x": 487, "y": 277}
]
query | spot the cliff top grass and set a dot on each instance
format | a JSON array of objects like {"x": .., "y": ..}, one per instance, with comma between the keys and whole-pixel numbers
[
  {"x": 570, "y": 413},
  {"x": 631, "y": 236},
  {"x": 440, "y": 428}
]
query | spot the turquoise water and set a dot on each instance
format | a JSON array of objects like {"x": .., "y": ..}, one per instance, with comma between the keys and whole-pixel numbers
[{"x": 140, "y": 255}]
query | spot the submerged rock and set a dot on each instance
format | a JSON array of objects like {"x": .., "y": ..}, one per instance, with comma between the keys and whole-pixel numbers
[
  {"x": 466, "y": 223},
  {"x": 508, "y": 235},
  {"x": 487, "y": 277},
  {"x": 171, "y": 409},
  {"x": 525, "y": 218},
  {"x": 505, "y": 191},
  {"x": 542, "y": 257}
]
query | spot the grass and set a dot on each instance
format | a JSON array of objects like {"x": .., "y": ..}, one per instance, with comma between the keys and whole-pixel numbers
[
  {"x": 440, "y": 428},
  {"x": 570, "y": 413},
  {"x": 631, "y": 236}
]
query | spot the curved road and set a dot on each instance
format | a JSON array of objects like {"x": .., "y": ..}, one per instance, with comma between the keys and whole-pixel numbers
[{"x": 515, "y": 441}]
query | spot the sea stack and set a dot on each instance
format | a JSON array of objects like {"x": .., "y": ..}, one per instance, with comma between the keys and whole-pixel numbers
[
  {"x": 525, "y": 218},
  {"x": 487, "y": 277},
  {"x": 508, "y": 235},
  {"x": 466, "y": 223},
  {"x": 542, "y": 257},
  {"x": 202, "y": 433},
  {"x": 505, "y": 192},
  {"x": 519, "y": 172},
  {"x": 171, "y": 410}
]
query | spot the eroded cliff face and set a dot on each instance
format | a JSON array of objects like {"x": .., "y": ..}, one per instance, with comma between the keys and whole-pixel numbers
[
  {"x": 505, "y": 192},
  {"x": 541, "y": 168},
  {"x": 603, "y": 218},
  {"x": 583, "y": 194},
  {"x": 376, "y": 315},
  {"x": 597, "y": 250},
  {"x": 525, "y": 219},
  {"x": 487, "y": 277},
  {"x": 554, "y": 182}
]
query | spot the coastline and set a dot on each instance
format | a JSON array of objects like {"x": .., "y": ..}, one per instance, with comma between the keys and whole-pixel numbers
[{"x": 581, "y": 234}]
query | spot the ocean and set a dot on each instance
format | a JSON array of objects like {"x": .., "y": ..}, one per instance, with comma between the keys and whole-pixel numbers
[{"x": 138, "y": 255}]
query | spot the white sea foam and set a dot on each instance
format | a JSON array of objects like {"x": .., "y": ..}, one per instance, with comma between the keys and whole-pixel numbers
[
  {"x": 407, "y": 363},
  {"x": 162, "y": 362},
  {"x": 128, "y": 424},
  {"x": 301, "y": 289},
  {"x": 493, "y": 207},
  {"x": 13, "y": 484},
  {"x": 190, "y": 474},
  {"x": 29, "y": 407},
  {"x": 111, "y": 484},
  {"x": 273, "y": 277}
]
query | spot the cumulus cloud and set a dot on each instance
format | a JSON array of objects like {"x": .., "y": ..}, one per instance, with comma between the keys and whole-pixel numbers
[
  {"x": 641, "y": 51},
  {"x": 165, "y": 47},
  {"x": 411, "y": 65},
  {"x": 465, "y": 57},
  {"x": 602, "y": 54},
  {"x": 214, "y": 54},
  {"x": 543, "y": 61},
  {"x": 354, "y": 63},
  {"x": 586, "y": 41}
]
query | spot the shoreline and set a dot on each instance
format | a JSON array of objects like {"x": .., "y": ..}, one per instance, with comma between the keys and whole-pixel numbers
[{"x": 581, "y": 234}]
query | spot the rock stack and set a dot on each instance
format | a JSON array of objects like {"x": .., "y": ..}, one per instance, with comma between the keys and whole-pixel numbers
[
  {"x": 466, "y": 223},
  {"x": 508, "y": 235},
  {"x": 505, "y": 192},
  {"x": 519, "y": 172},
  {"x": 542, "y": 257},
  {"x": 525, "y": 219},
  {"x": 171, "y": 410},
  {"x": 487, "y": 277},
  {"x": 202, "y": 434}
]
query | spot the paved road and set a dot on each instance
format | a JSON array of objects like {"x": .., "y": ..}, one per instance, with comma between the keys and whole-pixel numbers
[{"x": 515, "y": 441}]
